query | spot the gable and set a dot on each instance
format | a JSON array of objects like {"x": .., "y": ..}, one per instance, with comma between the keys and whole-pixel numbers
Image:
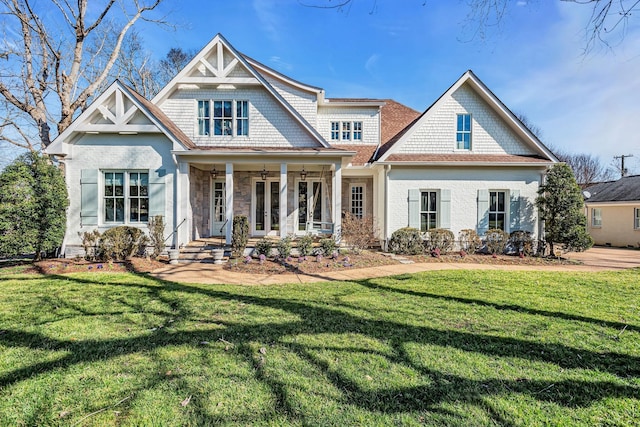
[
  {"x": 490, "y": 134},
  {"x": 120, "y": 111},
  {"x": 218, "y": 66},
  {"x": 116, "y": 112},
  {"x": 218, "y": 71},
  {"x": 494, "y": 130}
]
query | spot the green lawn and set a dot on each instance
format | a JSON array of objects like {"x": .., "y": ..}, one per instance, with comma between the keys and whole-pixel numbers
[{"x": 439, "y": 348}]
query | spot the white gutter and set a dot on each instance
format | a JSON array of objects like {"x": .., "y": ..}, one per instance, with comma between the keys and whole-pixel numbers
[{"x": 485, "y": 164}]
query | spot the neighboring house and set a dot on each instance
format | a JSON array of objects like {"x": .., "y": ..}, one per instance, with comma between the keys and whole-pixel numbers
[
  {"x": 613, "y": 212},
  {"x": 229, "y": 135}
]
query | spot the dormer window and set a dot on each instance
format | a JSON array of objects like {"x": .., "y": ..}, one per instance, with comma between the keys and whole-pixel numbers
[
  {"x": 229, "y": 118},
  {"x": 346, "y": 131},
  {"x": 463, "y": 132}
]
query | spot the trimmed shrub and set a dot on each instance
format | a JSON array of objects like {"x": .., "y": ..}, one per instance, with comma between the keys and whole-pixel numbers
[
  {"x": 156, "y": 235},
  {"x": 263, "y": 247},
  {"x": 284, "y": 247},
  {"x": 305, "y": 245},
  {"x": 469, "y": 241},
  {"x": 239, "y": 235},
  {"x": 358, "y": 233},
  {"x": 521, "y": 242},
  {"x": 440, "y": 239},
  {"x": 406, "y": 241},
  {"x": 496, "y": 241},
  {"x": 121, "y": 242},
  {"x": 327, "y": 246}
]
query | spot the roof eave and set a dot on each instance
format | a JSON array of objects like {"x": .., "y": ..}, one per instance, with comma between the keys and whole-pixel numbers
[
  {"x": 459, "y": 163},
  {"x": 269, "y": 153}
]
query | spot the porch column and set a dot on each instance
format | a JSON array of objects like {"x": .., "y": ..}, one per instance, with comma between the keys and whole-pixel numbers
[
  {"x": 336, "y": 195},
  {"x": 183, "y": 207},
  {"x": 228, "y": 186},
  {"x": 283, "y": 200}
]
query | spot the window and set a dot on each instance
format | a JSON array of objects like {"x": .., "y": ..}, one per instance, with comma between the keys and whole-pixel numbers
[
  {"x": 596, "y": 217},
  {"x": 463, "y": 133},
  {"x": 497, "y": 210},
  {"x": 222, "y": 118},
  {"x": 335, "y": 131},
  {"x": 357, "y": 131},
  {"x": 229, "y": 118},
  {"x": 204, "y": 122},
  {"x": 242, "y": 118},
  {"x": 126, "y": 195},
  {"x": 636, "y": 218},
  {"x": 346, "y": 131},
  {"x": 357, "y": 200},
  {"x": 428, "y": 210}
]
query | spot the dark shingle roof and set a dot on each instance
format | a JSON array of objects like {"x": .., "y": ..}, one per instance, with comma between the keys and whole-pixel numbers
[{"x": 625, "y": 189}]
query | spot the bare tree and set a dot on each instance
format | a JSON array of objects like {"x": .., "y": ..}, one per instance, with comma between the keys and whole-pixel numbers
[
  {"x": 136, "y": 68},
  {"x": 56, "y": 55},
  {"x": 607, "y": 23},
  {"x": 173, "y": 63},
  {"x": 533, "y": 128},
  {"x": 587, "y": 168}
]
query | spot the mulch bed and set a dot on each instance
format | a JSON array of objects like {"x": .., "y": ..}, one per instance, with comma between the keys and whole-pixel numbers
[
  {"x": 64, "y": 266},
  {"x": 313, "y": 265},
  {"x": 310, "y": 265},
  {"x": 490, "y": 259}
]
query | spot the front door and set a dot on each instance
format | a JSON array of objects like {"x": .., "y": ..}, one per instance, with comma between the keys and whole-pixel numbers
[
  {"x": 266, "y": 208},
  {"x": 218, "y": 211}
]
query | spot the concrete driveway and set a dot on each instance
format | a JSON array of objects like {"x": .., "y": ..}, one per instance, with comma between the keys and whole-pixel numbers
[{"x": 603, "y": 258}]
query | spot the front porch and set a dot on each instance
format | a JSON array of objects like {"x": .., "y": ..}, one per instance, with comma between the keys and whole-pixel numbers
[{"x": 285, "y": 198}]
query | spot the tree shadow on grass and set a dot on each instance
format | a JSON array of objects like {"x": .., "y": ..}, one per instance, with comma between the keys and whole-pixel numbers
[
  {"x": 313, "y": 319},
  {"x": 371, "y": 284}
]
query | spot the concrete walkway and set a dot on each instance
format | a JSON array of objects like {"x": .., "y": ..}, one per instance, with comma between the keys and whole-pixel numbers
[{"x": 595, "y": 259}]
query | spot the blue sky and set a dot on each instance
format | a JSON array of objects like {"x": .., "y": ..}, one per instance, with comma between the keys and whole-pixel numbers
[{"x": 413, "y": 50}]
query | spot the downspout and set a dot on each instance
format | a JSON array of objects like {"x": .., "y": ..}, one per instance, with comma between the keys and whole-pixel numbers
[
  {"x": 540, "y": 222},
  {"x": 387, "y": 168}
]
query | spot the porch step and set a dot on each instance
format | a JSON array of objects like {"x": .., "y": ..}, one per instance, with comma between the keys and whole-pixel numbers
[{"x": 200, "y": 251}]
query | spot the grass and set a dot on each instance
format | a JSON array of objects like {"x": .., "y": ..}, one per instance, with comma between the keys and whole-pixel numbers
[{"x": 438, "y": 348}]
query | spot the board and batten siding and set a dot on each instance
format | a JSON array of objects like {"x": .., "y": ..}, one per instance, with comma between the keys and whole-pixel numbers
[
  {"x": 489, "y": 133},
  {"x": 93, "y": 155},
  {"x": 462, "y": 197},
  {"x": 270, "y": 124}
]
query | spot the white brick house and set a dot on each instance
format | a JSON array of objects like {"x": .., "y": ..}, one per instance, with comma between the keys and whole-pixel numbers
[{"x": 230, "y": 136}]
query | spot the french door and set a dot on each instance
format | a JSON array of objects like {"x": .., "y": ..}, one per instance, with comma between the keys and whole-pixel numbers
[
  {"x": 311, "y": 206},
  {"x": 265, "y": 220},
  {"x": 218, "y": 208}
]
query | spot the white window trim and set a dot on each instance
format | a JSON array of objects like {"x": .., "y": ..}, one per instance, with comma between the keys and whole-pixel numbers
[
  {"x": 636, "y": 218},
  {"x": 507, "y": 208},
  {"x": 127, "y": 206},
  {"x": 350, "y": 133},
  {"x": 455, "y": 139},
  {"x": 420, "y": 211},
  {"x": 234, "y": 118},
  {"x": 364, "y": 197},
  {"x": 337, "y": 130},
  {"x": 593, "y": 217}
]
